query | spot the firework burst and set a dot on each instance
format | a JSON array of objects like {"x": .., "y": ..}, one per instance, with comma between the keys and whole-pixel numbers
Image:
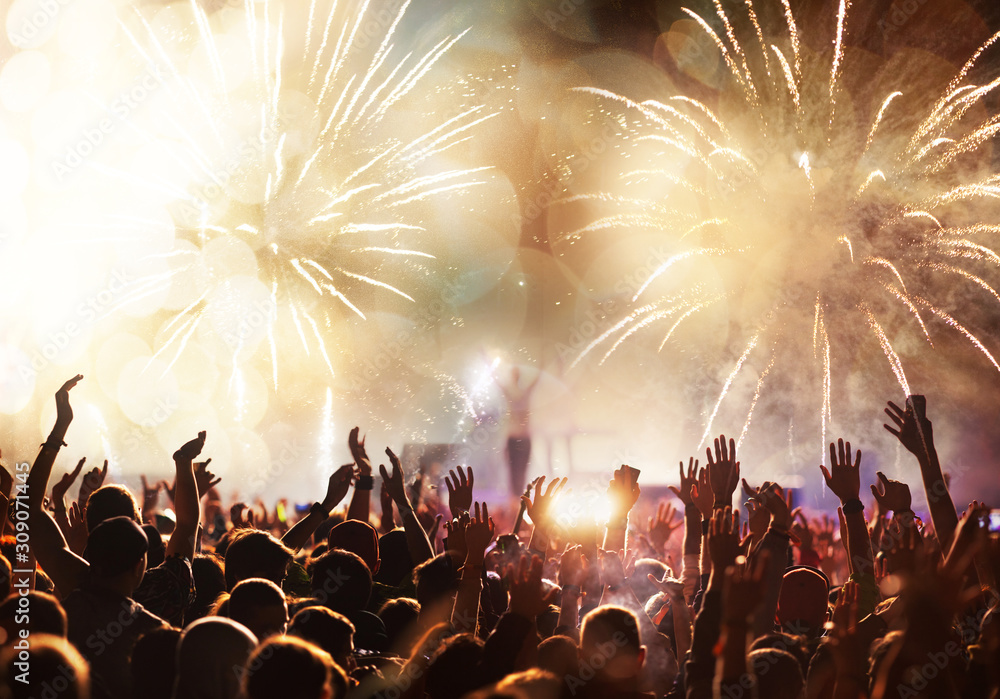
[{"x": 808, "y": 227}]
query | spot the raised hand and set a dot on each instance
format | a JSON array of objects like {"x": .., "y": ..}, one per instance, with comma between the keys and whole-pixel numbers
[
  {"x": 394, "y": 481},
  {"x": 743, "y": 591},
  {"x": 358, "y": 453},
  {"x": 911, "y": 426},
  {"x": 204, "y": 479},
  {"x": 150, "y": 496},
  {"x": 571, "y": 567},
  {"x": 459, "y": 490},
  {"x": 671, "y": 587},
  {"x": 91, "y": 482},
  {"x": 540, "y": 507},
  {"x": 849, "y": 653},
  {"x": 64, "y": 412},
  {"x": 60, "y": 488},
  {"x": 662, "y": 526},
  {"x": 455, "y": 535},
  {"x": 527, "y": 599},
  {"x": 723, "y": 538},
  {"x": 683, "y": 492},
  {"x": 479, "y": 533},
  {"x": 191, "y": 450},
  {"x": 337, "y": 486},
  {"x": 76, "y": 529},
  {"x": 701, "y": 495},
  {"x": 843, "y": 478},
  {"x": 387, "y": 522},
  {"x": 623, "y": 491},
  {"x": 772, "y": 497},
  {"x": 894, "y": 495},
  {"x": 723, "y": 471},
  {"x": 241, "y": 515}
]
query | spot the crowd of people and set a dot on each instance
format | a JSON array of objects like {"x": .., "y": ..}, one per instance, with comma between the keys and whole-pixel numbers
[{"x": 111, "y": 596}]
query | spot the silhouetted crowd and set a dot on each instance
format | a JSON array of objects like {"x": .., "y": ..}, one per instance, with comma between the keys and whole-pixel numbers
[{"x": 169, "y": 594}]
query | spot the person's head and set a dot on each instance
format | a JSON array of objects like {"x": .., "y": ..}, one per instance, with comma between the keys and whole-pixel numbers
[
  {"x": 53, "y": 662},
  {"x": 778, "y": 673},
  {"x": 395, "y": 561},
  {"x": 532, "y": 684},
  {"x": 341, "y": 581},
  {"x": 796, "y": 645},
  {"x": 559, "y": 655},
  {"x": 157, "y": 549},
  {"x": 436, "y": 581},
  {"x": 400, "y": 618},
  {"x": 154, "y": 663},
  {"x": 116, "y": 550},
  {"x": 448, "y": 675},
  {"x": 291, "y": 667},
  {"x": 330, "y": 631},
  {"x": 259, "y": 605},
  {"x": 208, "y": 652},
  {"x": 610, "y": 644},
  {"x": 547, "y": 621},
  {"x": 639, "y": 580},
  {"x": 803, "y": 601},
  {"x": 44, "y": 615},
  {"x": 255, "y": 554},
  {"x": 111, "y": 501},
  {"x": 209, "y": 583},
  {"x": 357, "y": 537}
]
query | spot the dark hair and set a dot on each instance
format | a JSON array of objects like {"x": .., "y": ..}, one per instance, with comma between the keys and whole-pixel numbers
[
  {"x": 778, "y": 673},
  {"x": 47, "y": 615},
  {"x": 558, "y": 655},
  {"x": 611, "y": 624},
  {"x": 325, "y": 628},
  {"x": 435, "y": 579},
  {"x": 450, "y": 672},
  {"x": 399, "y": 616},
  {"x": 154, "y": 663},
  {"x": 111, "y": 501},
  {"x": 396, "y": 562},
  {"x": 249, "y": 596},
  {"x": 256, "y": 554},
  {"x": 209, "y": 583},
  {"x": 287, "y": 667},
  {"x": 51, "y": 658},
  {"x": 341, "y": 581}
]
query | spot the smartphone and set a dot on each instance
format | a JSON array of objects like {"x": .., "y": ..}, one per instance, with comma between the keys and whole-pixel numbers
[
  {"x": 991, "y": 520},
  {"x": 633, "y": 473}
]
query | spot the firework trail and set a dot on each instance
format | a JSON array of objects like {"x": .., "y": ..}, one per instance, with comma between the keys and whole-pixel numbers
[
  {"x": 785, "y": 209},
  {"x": 302, "y": 183}
]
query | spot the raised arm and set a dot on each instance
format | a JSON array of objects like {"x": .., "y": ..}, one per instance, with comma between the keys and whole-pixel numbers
[
  {"x": 479, "y": 531},
  {"x": 844, "y": 479},
  {"x": 691, "y": 571},
  {"x": 187, "y": 502},
  {"x": 623, "y": 491},
  {"x": 540, "y": 510},
  {"x": 360, "y": 507},
  {"x": 336, "y": 488},
  {"x": 913, "y": 430},
  {"x": 41, "y": 470},
  {"x": 416, "y": 538},
  {"x": 48, "y": 545}
]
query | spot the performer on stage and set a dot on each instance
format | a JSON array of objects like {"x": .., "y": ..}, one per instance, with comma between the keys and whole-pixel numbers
[{"x": 518, "y": 427}]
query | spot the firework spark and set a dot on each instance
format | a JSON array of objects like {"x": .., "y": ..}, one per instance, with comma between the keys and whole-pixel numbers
[{"x": 788, "y": 213}]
